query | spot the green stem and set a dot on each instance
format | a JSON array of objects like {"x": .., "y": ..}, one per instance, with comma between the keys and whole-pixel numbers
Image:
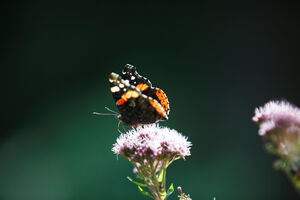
[
  {"x": 162, "y": 188},
  {"x": 155, "y": 182},
  {"x": 150, "y": 186},
  {"x": 294, "y": 179},
  {"x": 158, "y": 189}
]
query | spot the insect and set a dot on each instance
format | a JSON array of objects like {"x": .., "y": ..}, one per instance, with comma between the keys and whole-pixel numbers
[{"x": 138, "y": 102}]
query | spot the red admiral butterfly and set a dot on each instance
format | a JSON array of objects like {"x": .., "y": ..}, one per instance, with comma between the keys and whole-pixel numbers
[{"x": 138, "y": 102}]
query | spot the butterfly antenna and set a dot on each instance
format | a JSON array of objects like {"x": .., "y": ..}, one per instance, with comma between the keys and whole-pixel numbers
[
  {"x": 110, "y": 110},
  {"x": 96, "y": 113}
]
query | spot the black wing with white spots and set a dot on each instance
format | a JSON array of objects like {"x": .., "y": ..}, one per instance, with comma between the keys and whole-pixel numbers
[
  {"x": 129, "y": 73},
  {"x": 138, "y": 102}
]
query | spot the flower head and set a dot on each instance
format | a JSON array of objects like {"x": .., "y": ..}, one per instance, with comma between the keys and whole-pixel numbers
[
  {"x": 277, "y": 116},
  {"x": 151, "y": 149},
  {"x": 152, "y": 142},
  {"x": 279, "y": 123}
]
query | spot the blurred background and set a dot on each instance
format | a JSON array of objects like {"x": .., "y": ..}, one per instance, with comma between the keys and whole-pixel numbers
[{"x": 216, "y": 61}]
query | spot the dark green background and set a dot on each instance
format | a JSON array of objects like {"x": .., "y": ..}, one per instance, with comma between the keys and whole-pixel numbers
[{"x": 216, "y": 61}]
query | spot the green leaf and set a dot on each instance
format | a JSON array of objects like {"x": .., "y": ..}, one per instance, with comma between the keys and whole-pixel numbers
[
  {"x": 170, "y": 190},
  {"x": 145, "y": 193},
  {"x": 135, "y": 182}
]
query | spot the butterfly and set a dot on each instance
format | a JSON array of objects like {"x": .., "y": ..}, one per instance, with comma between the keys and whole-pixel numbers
[{"x": 138, "y": 102}]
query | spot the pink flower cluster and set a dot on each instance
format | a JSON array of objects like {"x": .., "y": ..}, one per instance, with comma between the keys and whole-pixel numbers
[
  {"x": 152, "y": 142},
  {"x": 277, "y": 116}
]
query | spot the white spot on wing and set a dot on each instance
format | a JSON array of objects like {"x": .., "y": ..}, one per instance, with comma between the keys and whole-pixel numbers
[
  {"x": 115, "y": 89},
  {"x": 110, "y": 80},
  {"x": 121, "y": 85},
  {"x": 132, "y": 78},
  {"x": 126, "y": 82}
]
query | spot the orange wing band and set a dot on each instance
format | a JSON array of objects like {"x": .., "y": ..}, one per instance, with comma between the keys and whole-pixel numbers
[
  {"x": 158, "y": 108},
  {"x": 121, "y": 102},
  {"x": 163, "y": 99},
  {"x": 142, "y": 86},
  {"x": 129, "y": 94}
]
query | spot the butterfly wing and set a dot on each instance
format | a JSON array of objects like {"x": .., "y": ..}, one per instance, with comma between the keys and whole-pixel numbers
[
  {"x": 129, "y": 73},
  {"x": 159, "y": 96},
  {"x": 135, "y": 108},
  {"x": 144, "y": 85}
]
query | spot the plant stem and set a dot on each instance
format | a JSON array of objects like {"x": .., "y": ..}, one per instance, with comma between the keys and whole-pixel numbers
[
  {"x": 150, "y": 186},
  {"x": 162, "y": 187},
  {"x": 294, "y": 179}
]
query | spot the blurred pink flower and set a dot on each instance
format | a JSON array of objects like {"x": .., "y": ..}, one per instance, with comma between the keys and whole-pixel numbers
[
  {"x": 279, "y": 124},
  {"x": 277, "y": 116}
]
